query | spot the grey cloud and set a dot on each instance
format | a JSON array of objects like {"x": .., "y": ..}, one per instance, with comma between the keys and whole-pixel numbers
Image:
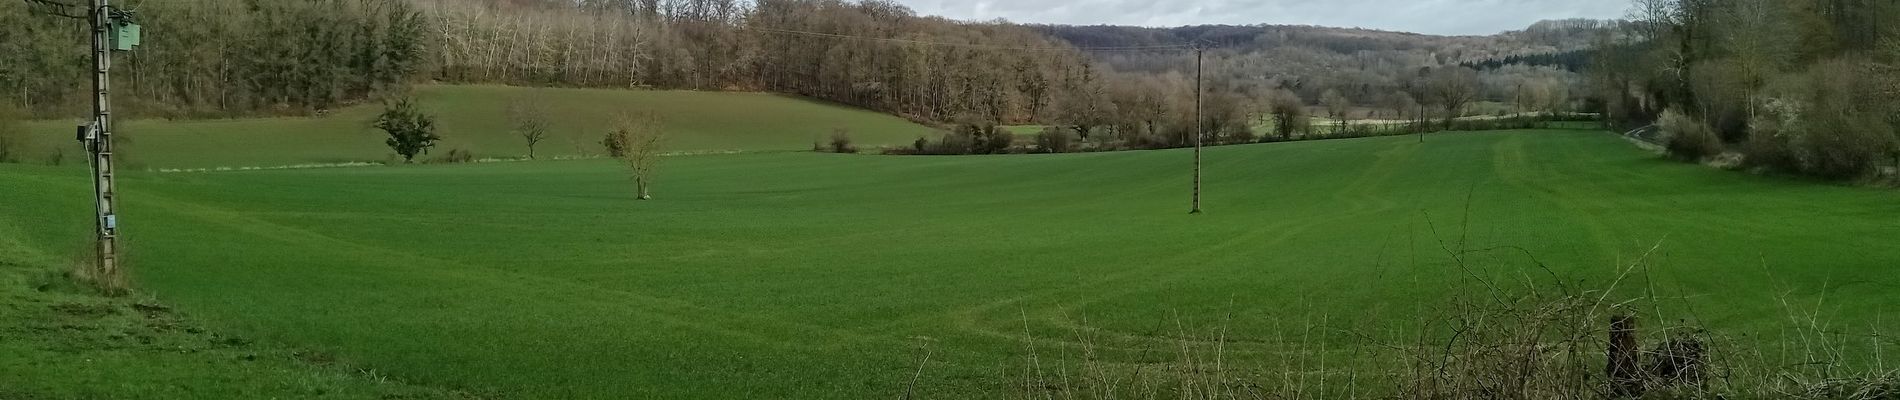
[{"x": 1444, "y": 17}]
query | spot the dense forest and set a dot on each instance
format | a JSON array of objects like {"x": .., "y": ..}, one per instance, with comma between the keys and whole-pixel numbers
[
  {"x": 218, "y": 57},
  {"x": 1801, "y": 86}
]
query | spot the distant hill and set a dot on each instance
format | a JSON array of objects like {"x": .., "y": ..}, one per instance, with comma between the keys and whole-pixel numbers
[
  {"x": 1544, "y": 37},
  {"x": 1365, "y": 64}
]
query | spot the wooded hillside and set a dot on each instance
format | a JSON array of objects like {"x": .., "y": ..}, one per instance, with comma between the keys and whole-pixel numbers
[
  {"x": 1805, "y": 86},
  {"x": 1106, "y": 87},
  {"x": 232, "y": 57},
  {"x": 1366, "y": 66},
  {"x": 218, "y": 57}
]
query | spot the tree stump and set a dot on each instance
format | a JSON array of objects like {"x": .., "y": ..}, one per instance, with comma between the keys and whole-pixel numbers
[{"x": 1623, "y": 368}]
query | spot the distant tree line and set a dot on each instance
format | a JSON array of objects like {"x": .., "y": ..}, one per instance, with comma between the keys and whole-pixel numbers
[
  {"x": 1802, "y": 86},
  {"x": 236, "y": 57},
  {"x": 1572, "y": 61}
]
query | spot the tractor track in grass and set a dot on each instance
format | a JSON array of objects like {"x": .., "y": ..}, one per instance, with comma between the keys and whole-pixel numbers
[
  {"x": 668, "y": 311},
  {"x": 1226, "y": 258},
  {"x": 1513, "y": 167},
  {"x": 1359, "y": 196},
  {"x": 774, "y": 273}
]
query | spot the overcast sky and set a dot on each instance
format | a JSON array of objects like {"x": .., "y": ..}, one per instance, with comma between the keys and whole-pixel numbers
[{"x": 1442, "y": 17}]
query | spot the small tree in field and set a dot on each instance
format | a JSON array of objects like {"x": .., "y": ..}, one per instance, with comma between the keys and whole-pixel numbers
[
  {"x": 841, "y": 141},
  {"x": 529, "y": 121},
  {"x": 635, "y": 140},
  {"x": 410, "y": 131},
  {"x": 1337, "y": 107},
  {"x": 1453, "y": 88},
  {"x": 1289, "y": 114}
]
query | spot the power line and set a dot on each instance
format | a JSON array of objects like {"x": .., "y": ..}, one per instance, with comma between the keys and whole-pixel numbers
[{"x": 1179, "y": 47}]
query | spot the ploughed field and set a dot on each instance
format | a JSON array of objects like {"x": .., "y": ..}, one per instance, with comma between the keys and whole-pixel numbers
[{"x": 806, "y": 275}]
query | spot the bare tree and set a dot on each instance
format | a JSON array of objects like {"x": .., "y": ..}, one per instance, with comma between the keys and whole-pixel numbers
[
  {"x": 1337, "y": 106},
  {"x": 1289, "y": 113},
  {"x": 1084, "y": 106},
  {"x": 1763, "y": 48},
  {"x": 636, "y": 140},
  {"x": 1653, "y": 17},
  {"x": 530, "y": 121},
  {"x": 1531, "y": 95},
  {"x": 1453, "y": 88},
  {"x": 1402, "y": 104},
  {"x": 1556, "y": 97}
]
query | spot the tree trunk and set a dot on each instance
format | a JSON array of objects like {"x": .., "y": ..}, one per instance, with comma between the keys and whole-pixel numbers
[{"x": 641, "y": 186}]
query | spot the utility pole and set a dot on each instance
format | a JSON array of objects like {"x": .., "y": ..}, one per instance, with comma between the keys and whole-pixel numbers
[
  {"x": 105, "y": 188},
  {"x": 1199, "y": 125},
  {"x": 112, "y": 29}
]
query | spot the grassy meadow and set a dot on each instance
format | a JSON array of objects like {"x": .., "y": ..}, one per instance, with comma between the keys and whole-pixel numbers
[
  {"x": 474, "y": 118},
  {"x": 807, "y": 275}
]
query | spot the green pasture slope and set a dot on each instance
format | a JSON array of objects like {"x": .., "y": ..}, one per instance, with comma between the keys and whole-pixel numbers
[
  {"x": 475, "y": 118},
  {"x": 805, "y": 275}
]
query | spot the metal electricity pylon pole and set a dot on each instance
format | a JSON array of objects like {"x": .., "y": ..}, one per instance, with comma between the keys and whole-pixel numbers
[
  {"x": 1199, "y": 125},
  {"x": 112, "y": 29}
]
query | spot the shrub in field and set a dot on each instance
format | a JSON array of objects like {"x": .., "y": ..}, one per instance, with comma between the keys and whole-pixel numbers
[
  {"x": 970, "y": 135},
  {"x": 1828, "y": 123},
  {"x": 947, "y": 144},
  {"x": 1508, "y": 123},
  {"x": 1688, "y": 138},
  {"x": 983, "y": 136},
  {"x": 1848, "y": 134},
  {"x": 1055, "y": 140},
  {"x": 1236, "y": 133},
  {"x": 1843, "y": 147},
  {"x": 12, "y": 143},
  {"x": 1289, "y": 115},
  {"x": 411, "y": 132},
  {"x": 841, "y": 142},
  {"x": 635, "y": 140},
  {"x": 455, "y": 156},
  {"x": 1767, "y": 146}
]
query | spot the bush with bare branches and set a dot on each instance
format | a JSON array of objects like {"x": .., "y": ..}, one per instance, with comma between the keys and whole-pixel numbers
[{"x": 636, "y": 140}]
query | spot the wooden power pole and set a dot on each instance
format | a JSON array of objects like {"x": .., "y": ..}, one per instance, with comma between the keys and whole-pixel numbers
[
  {"x": 112, "y": 30},
  {"x": 104, "y": 179},
  {"x": 1199, "y": 125}
]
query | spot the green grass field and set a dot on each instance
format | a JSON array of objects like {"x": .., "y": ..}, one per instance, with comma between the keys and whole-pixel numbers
[
  {"x": 803, "y": 275},
  {"x": 475, "y": 118}
]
